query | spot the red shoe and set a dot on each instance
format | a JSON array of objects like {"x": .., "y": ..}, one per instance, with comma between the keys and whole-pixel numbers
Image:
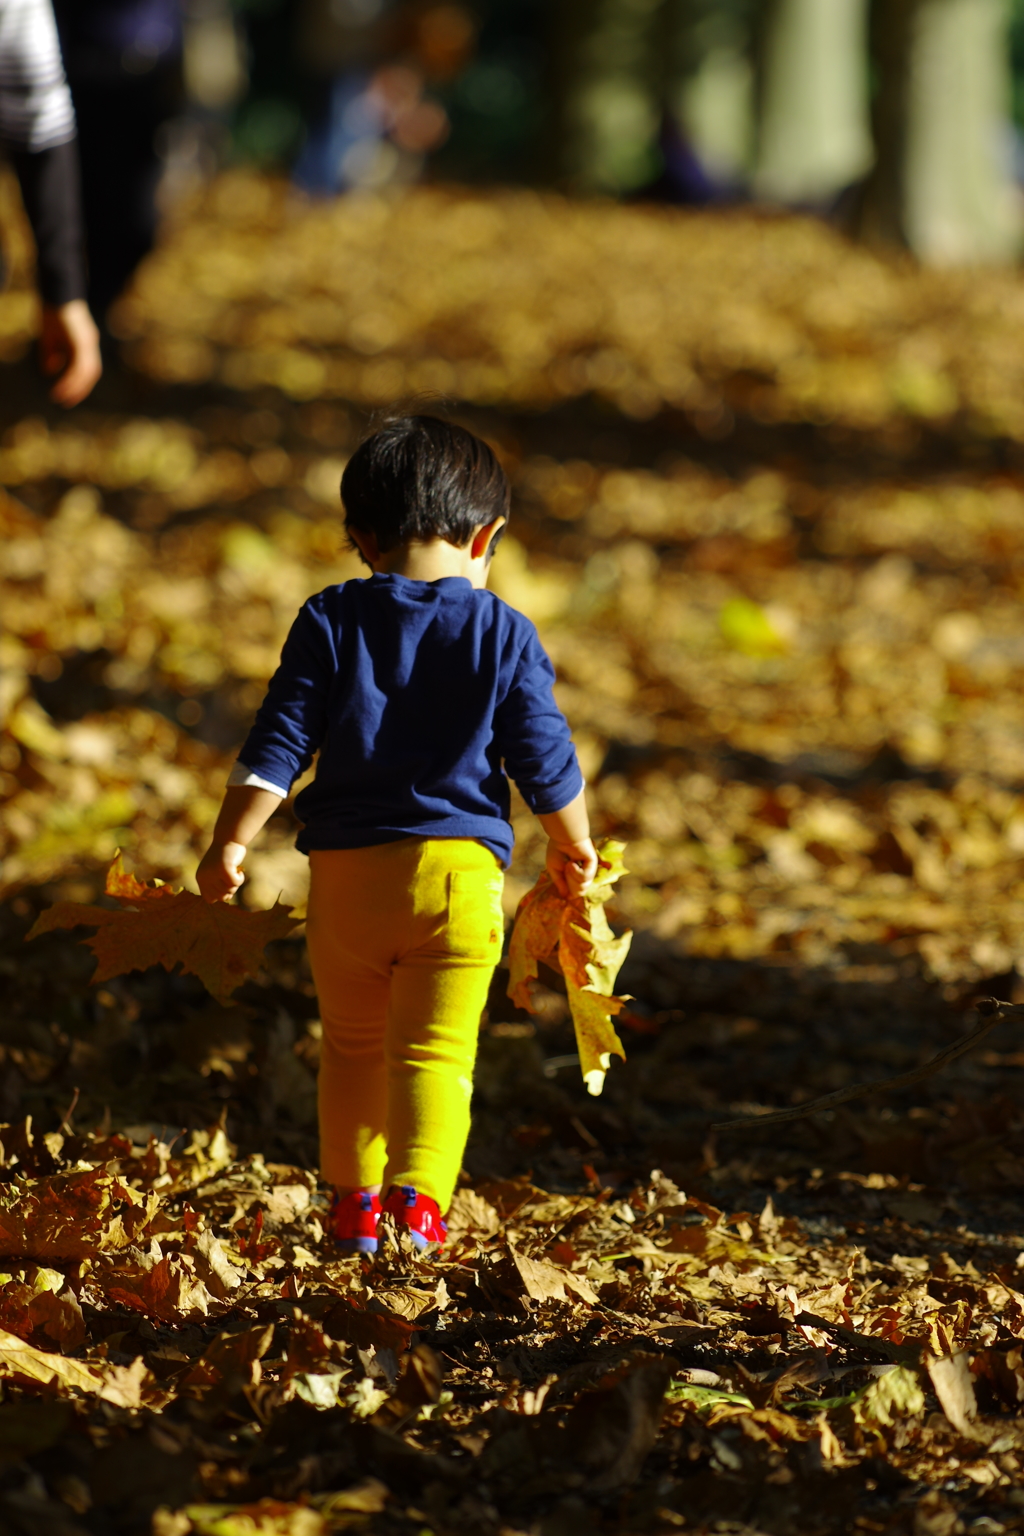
[
  {"x": 420, "y": 1215},
  {"x": 352, "y": 1221}
]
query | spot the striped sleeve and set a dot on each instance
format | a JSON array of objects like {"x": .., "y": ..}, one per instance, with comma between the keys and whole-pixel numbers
[{"x": 35, "y": 103}]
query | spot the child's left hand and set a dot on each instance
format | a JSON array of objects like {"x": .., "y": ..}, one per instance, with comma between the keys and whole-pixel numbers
[
  {"x": 220, "y": 872},
  {"x": 572, "y": 866}
]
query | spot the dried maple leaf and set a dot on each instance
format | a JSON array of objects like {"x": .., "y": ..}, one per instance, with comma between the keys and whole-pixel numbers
[
  {"x": 129, "y": 1386},
  {"x": 231, "y": 1356},
  {"x": 28, "y": 1366},
  {"x": 38, "y": 1309},
  {"x": 572, "y": 935},
  {"x": 519, "y": 1275},
  {"x": 354, "y": 1324},
  {"x": 72, "y": 1216},
  {"x": 158, "y": 1287},
  {"x": 610, "y": 1429},
  {"x": 470, "y": 1213},
  {"x": 220, "y": 944},
  {"x": 213, "y": 1265}
]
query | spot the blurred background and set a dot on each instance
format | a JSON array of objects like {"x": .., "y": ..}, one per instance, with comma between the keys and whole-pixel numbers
[
  {"x": 732, "y": 285},
  {"x": 900, "y": 121}
]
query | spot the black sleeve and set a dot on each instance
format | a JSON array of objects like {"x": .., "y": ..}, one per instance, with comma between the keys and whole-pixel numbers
[{"x": 51, "y": 192}]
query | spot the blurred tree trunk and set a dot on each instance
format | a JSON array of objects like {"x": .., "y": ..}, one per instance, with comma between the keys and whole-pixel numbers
[
  {"x": 942, "y": 182},
  {"x": 607, "y": 93},
  {"x": 878, "y": 210},
  {"x": 813, "y": 133}
]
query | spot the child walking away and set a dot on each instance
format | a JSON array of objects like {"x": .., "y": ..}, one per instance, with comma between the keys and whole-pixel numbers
[{"x": 420, "y": 690}]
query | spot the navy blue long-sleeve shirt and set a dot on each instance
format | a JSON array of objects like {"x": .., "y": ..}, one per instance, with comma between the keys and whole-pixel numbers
[{"x": 419, "y": 696}]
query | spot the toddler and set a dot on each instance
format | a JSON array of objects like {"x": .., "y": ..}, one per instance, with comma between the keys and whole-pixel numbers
[{"x": 420, "y": 690}]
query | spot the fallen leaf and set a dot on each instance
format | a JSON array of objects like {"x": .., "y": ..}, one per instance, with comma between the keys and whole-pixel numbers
[
  {"x": 936, "y": 1515},
  {"x": 365, "y": 1327},
  {"x": 219, "y": 943},
  {"x": 471, "y": 1215},
  {"x": 123, "y": 1384},
  {"x": 321, "y": 1389},
  {"x": 308, "y": 1348},
  {"x": 213, "y": 1265},
  {"x": 509, "y": 1196},
  {"x": 519, "y": 1275},
  {"x": 951, "y": 1378},
  {"x": 162, "y": 1288},
  {"x": 901, "y": 1354},
  {"x": 268, "y": 1517},
  {"x": 418, "y": 1386},
  {"x": 40, "y": 1307},
  {"x": 232, "y": 1358},
  {"x": 894, "y": 1396},
  {"x": 27, "y": 1366},
  {"x": 611, "y": 1429},
  {"x": 72, "y": 1215},
  {"x": 366, "y": 1498},
  {"x": 284, "y": 1202},
  {"x": 366, "y": 1399},
  {"x": 407, "y": 1301}
]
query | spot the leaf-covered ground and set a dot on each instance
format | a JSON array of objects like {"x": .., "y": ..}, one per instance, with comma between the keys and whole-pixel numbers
[{"x": 786, "y": 617}]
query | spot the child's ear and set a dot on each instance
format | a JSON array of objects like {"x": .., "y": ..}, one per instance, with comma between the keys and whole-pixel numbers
[
  {"x": 366, "y": 544},
  {"x": 483, "y": 536}
]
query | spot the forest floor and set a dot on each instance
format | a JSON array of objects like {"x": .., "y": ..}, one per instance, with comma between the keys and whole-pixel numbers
[{"x": 775, "y": 547}]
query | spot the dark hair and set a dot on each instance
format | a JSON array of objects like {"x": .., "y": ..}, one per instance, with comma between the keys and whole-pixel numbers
[{"x": 418, "y": 477}]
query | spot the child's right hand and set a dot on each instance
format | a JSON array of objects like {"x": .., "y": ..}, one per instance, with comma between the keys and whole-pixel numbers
[
  {"x": 572, "y": 866},
  {"x": 220, "y": 871}
]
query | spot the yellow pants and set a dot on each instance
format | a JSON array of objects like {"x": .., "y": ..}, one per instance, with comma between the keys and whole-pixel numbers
[{"x": 403, "y": 940}]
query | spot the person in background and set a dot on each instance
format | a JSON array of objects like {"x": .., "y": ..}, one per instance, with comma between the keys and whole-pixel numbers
[
  {"x": 380, "y": 119},
  {"x": 37, "y": 128},
  {"x": 123, "y": 61}
]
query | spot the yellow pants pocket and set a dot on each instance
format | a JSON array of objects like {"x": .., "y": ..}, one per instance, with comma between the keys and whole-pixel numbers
[{"x": 475, "y": 922}]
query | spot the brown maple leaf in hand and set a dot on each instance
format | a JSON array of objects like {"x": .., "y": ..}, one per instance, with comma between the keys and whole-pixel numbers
[
  {"x": 158, "y": 925},
  {"x": 572, "y": 935}
]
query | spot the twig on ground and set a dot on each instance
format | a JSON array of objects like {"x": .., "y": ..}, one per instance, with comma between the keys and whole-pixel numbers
[
  {"x": 908, "y": 1353},
  {"x": 65, "y": 1123},
  {"x": 991, "y": 1011}
]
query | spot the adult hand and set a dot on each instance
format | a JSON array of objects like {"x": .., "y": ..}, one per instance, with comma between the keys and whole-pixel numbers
[{"x": 70, "y": 345}]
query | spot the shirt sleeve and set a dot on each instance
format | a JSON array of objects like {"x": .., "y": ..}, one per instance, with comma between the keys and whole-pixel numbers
[
  {"x": 37, "y": 123},
  {"x": 242, "y": 777},
  {"x": 292, "y": 720},
  {"x": 35, "y": 104},
  {"x": 533, "y": 735},
  {"x": 51, "y": 192}
]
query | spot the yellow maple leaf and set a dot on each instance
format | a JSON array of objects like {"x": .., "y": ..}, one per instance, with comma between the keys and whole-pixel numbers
[
  {"x": 22, "y": 1363},
  {"x": 158, "y": 925},
  {"x": 534, "y": 938},
  {"x": 40, "y": 1370},
  {"x": 572, "y": 935}
]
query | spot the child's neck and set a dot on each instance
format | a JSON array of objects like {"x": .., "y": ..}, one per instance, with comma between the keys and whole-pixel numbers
[{"x": 431, "y": 560}]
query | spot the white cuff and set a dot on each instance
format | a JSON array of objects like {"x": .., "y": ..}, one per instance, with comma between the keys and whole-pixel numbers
[{"x": 241, "y": 778}]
